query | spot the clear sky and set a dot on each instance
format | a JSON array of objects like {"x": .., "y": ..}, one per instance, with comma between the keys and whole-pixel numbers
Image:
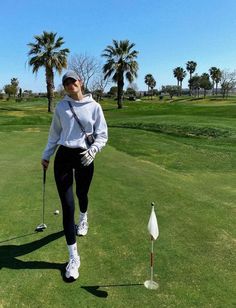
[{"x": 167, "y": 34}]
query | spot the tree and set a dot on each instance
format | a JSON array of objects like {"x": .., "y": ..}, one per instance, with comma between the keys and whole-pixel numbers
[
  {"x": 8, "y": 90},
  {"x": 191, "y": 67},
  {"x": 98, "y": 94},
  {"x": 20, "y": 93},
  {"x": 45, "y": 52},
  {"x": 121, "y": 63},
  {"x": 61, "y": 90},
  {"x": 194, "y": 83},
  {"x": 133, "y": 86},
  {"x": 98, "y": 85},
  {"x": 153, "y": 84},
  {"x": 86, "y": 67},
  {"x": 205, "y": 83},
  {"x": 130, "y": 92},
  {"x": 27, "y": 93},
  {"x": 113, "y": 91},
  {"x": 150, "y": 82},
  {"x": 171, "y": 90},
  {"x": 147, "y": 80},
  {"x": 216, "y": 77},
  {"x": 15, "y": 82},
  {"x": 228, "y": 82},
  {"x": 12, "y": 88},
  {"x": 179, "y": 74}
]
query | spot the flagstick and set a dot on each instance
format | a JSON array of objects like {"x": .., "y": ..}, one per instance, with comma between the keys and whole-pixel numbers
[
  {"x": 151, "y": 284},
  {"x": 152, "y": 258}
]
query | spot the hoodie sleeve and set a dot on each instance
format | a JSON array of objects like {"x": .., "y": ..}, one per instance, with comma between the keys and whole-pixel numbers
[
  {"x": 100, "y": 129},
  {"x": 54, "y": 136}
]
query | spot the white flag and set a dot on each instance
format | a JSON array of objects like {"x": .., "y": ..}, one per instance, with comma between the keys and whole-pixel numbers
[{"x": 152, "y": 225}]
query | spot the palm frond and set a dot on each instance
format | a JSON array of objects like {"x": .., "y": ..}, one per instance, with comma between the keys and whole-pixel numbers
[
  {"x": 121, "y": 61},
  {"x": 45, "y": 52}
]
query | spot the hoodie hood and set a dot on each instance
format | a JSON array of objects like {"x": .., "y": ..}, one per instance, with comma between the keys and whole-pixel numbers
[{"x": 86, "y": 99}]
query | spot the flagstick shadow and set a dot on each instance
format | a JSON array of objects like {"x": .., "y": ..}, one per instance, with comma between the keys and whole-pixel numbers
[
  {"x": 94, "y": 290},
  {"x": 17, "y": 237}
]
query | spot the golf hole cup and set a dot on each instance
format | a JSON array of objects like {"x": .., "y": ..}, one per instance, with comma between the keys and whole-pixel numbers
[{"x": 56, "y": 212}]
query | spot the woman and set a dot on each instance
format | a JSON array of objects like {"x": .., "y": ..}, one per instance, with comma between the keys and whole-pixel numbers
[{"x": 75, "y": 117}]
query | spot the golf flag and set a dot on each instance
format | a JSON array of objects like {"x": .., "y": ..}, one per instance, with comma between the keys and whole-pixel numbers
[
  {"x": 154, "y": 232},
  {"x": 152, "y": 225}
]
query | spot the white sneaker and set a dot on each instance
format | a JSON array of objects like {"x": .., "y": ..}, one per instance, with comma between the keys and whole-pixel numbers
[
  {"x": 72, "y": 268},
  {"x": 82, "y": 228}
]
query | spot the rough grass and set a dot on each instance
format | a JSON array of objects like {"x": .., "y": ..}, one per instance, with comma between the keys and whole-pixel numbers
[{"x": 151, "y": 156}]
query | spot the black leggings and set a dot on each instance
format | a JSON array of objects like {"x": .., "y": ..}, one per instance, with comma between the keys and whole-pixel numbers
[{"x": 66, "y": 161}]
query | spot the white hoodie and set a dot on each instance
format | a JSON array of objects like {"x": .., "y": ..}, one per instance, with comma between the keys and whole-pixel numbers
[{"x": 66, "y": 131}]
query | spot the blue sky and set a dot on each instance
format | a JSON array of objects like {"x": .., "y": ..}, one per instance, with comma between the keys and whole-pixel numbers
[{"x": 167, "y": 34}]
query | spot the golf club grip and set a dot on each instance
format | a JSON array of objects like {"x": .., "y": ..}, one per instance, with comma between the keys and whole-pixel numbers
[{"x": 44, "y": 176}]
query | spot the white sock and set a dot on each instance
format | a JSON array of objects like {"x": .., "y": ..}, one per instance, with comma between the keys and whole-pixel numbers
[
  {"x": 73, "y": 252},
  {"x": 83, "y": 216}
]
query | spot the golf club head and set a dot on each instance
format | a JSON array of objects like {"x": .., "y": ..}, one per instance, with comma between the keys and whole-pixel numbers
[{"x": 40, "y": 228}]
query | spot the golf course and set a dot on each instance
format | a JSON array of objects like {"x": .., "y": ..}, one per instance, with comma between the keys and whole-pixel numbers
[{"x": 179, "y": 153}]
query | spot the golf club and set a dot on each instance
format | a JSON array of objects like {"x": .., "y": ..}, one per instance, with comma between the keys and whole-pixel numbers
[{"x": 42, "y": 226}]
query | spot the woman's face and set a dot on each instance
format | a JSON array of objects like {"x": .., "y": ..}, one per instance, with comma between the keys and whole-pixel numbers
[{"x": 72, "y": 86}]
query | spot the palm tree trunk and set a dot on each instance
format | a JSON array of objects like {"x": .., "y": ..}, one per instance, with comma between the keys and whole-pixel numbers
[
  {"x": 50, "y": 88},
  {"x": 180, "y": 90},
  {"x": 190, "y": 87},
  {"x": 178, "y": 86},
  {"x": 120, "y": 86}
]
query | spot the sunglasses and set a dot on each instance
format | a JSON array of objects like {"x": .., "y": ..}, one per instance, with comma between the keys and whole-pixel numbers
[{"x": 69, "y": 81}]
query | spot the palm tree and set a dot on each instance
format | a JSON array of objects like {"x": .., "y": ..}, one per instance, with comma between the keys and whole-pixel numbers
[
  {"x": 179, "y": 74},
  {"x": 148, "y": 79},
  {"x": 152, "y": 85},
  {"x": 212, "y": 72},
  {"x": 191, "y": 67},
  {"x": 121, "y": 63},
  {"x": 216, "y": 77},
  {"x": 150, "y": 82},
  {"x": 45, "y": 52}
]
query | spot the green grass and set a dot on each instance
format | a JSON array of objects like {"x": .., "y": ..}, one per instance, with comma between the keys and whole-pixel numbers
[{"x": 180, "y": 154}]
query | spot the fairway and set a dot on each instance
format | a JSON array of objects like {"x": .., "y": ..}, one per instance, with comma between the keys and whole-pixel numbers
[{"x": 179, "y": 154}]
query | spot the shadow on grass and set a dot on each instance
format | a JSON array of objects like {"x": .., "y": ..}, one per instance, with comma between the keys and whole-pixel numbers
[
  {"x": 10, "y": 109},
  {"x": 9, "y": 254},
  {"x": 94, "y": 290},
  {"x": 16, "y": 237}
]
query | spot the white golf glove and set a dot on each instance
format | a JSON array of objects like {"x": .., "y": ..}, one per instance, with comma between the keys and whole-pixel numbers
[{"x": 88, "y": 156}]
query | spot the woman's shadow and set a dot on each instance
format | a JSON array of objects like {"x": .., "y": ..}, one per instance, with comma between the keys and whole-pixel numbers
[{"x": 9, "y": 255}]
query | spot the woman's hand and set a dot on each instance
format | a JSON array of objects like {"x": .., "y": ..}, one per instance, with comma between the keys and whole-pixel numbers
[
  {"x": 88, "y": 156},
  {"x": 45, "y": 163}
]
